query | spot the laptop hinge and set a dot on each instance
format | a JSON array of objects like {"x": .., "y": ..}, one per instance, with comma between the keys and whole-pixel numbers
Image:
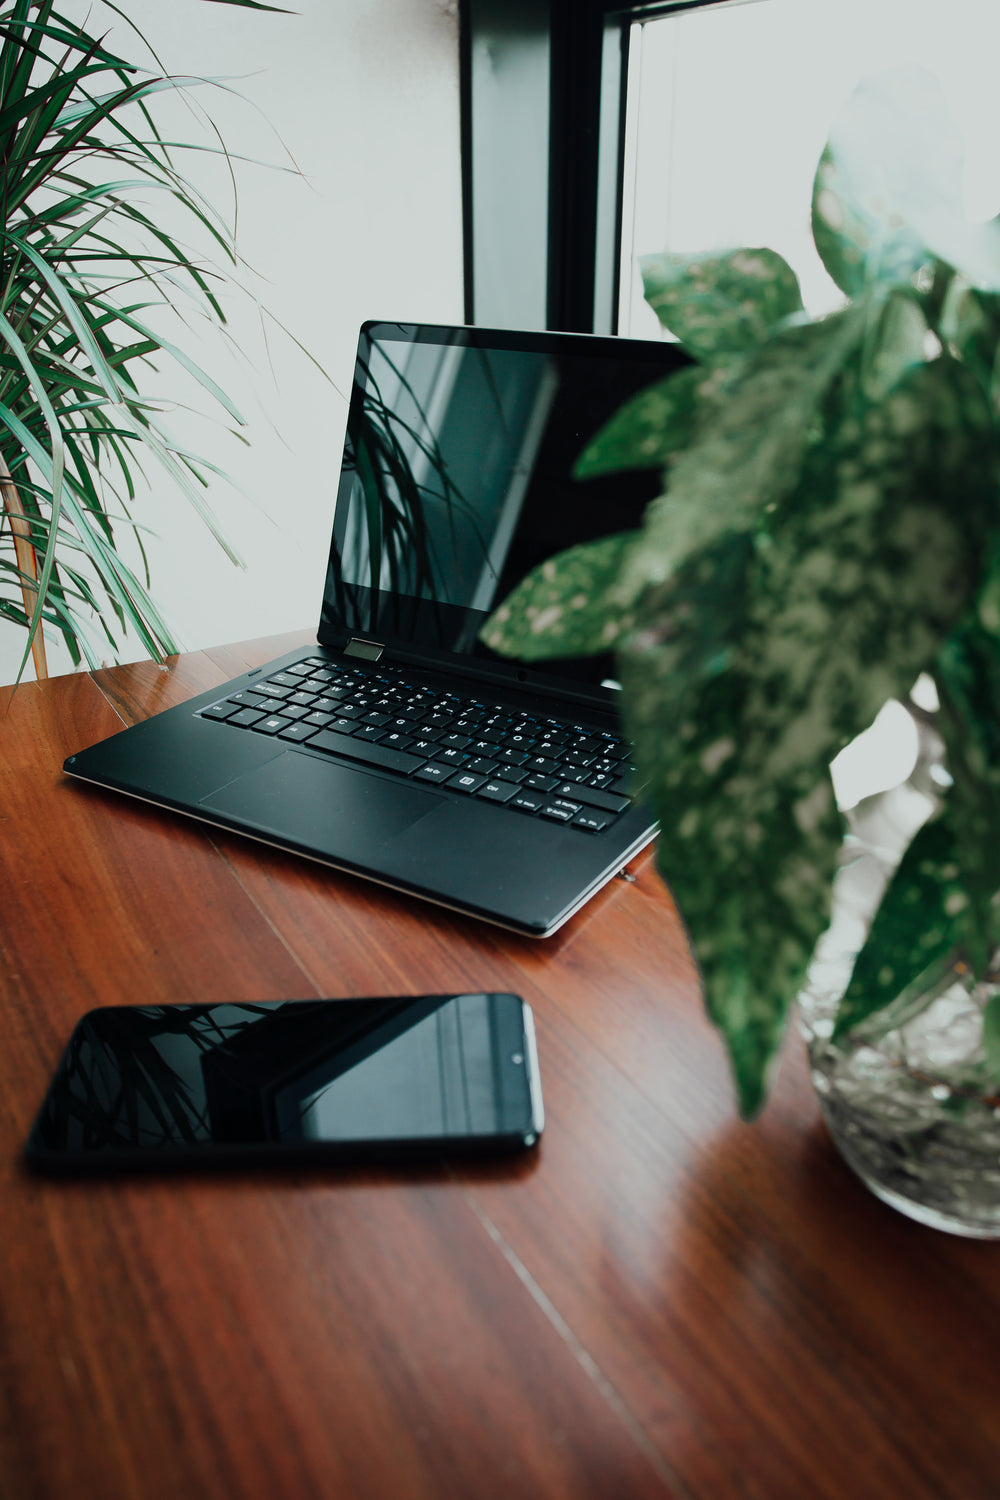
[{"x": 369, "y": 650}]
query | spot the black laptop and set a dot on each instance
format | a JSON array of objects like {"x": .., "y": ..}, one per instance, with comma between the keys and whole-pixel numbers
[{"x": 400, "y": 748}]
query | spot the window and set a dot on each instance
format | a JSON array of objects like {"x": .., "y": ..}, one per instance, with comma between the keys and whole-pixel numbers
[
  {"x": 729, "y": 108},
  {"x": 595, "y": 133}
]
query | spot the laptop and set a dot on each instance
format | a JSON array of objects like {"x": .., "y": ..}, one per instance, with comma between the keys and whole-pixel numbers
[{"x": 398, "y": 747}]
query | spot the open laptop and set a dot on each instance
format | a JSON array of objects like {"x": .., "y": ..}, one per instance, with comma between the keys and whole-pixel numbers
[{"x": 399, "y": 748}]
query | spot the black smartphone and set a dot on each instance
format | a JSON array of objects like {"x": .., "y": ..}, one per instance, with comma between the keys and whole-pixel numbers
[{"x": 159, "y": 1086}]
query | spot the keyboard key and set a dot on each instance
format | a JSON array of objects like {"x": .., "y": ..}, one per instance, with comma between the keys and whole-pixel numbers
[
  {"x": 497, "y": 791},
  {"x": 606, "y": 801},
  {"x": 270, "y": 725},
  {"x": 303, "y": 730},
  {"x": 466, "y": 781},
  {"x": 527, "y": 801},
  {"x": 541, "y": 764},
  {"x": 449, "y": 756},
  {"x": 433, "y": 771},
  {"x": 246, "y": 718},
  {"x": 592, "y": 822},
  {"x": 354, "y": 748},
  {"x": 481, "y": 764},
  {"x": 220, "y": 711},
  {"x": 539, "y": 783},
  {"x": 556, "y": 814}
]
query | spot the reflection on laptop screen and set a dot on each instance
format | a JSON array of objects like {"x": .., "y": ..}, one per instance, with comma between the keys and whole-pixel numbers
[{"x": 457, "y": 476}]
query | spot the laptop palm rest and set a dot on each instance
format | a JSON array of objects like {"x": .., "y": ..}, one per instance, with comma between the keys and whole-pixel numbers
[{"x": 328, "y": 808}]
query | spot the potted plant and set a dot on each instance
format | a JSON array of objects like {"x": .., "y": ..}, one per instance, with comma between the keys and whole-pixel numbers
[
  {"x": 86, "y": 265},
  {"x": 827, "y": 537}
]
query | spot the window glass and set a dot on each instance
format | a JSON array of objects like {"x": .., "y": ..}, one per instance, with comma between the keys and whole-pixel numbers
[{"x": 728, "y": 109}]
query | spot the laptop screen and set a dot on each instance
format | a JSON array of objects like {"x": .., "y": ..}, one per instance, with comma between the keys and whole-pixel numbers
[{"x": 457, "y": 478}]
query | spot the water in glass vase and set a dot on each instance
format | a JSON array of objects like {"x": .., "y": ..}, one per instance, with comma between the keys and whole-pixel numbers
[{"x": 908, "y": 1095}]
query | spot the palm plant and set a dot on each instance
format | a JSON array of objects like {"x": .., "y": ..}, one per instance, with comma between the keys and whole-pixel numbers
[{"x": 84, "y": 267}]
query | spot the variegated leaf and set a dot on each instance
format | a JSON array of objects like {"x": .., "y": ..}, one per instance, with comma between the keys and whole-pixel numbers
[
  {"x": 562, "y": 608},
  {"x": 720, "y": 303},
  {"x": 763, "y": 655}
]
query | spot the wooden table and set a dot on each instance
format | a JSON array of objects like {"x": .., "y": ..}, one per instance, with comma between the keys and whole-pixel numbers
[{"x": 666, "y": 1302}]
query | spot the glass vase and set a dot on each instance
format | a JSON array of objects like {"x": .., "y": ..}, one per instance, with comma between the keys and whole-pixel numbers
[{"x": 907, "y": 1095}]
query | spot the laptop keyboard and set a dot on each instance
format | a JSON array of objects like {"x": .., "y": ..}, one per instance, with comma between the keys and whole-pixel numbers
[{"x": 385, "y": 718}]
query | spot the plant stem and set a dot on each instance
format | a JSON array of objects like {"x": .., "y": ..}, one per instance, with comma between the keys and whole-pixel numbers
[{"x": 27, "y": 561}]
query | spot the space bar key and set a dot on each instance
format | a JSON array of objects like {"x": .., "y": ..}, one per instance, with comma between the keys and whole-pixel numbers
[{"x": 370, "y": 753}]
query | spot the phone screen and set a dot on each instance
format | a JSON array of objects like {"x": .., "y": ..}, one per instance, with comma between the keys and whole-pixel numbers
[{"x": 189, "y": 1085}]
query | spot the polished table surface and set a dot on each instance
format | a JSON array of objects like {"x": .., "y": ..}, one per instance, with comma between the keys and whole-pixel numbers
[{"x": 663, "y": 1302}]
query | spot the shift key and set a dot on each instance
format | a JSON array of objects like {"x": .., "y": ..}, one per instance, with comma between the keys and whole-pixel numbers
[
  {"x": 366, "y": 751},
  {"x": 606, "y": 801}
]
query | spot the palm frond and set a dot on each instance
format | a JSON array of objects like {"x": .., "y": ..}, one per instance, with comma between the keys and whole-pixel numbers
[{"x": 85, "y": 271}]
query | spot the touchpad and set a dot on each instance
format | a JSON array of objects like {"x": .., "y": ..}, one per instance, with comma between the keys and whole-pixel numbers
[{"x": 322, "y": 805}]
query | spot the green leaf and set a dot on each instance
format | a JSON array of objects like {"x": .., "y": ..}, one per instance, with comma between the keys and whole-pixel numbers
[
  {"x": 968, "y": 682},
  {"x": 561, "y": 608},
  {"x": 719, "y": 304},
  {"x": 897, "y": 345},
  {"x": 183, "y": 359},
  {"x": 915, "y": 930},
  {"x": 256, "y": 5},
  {"x": 991, "y": 1035},
  {"x": 748, "y": 854},
  {"x": 888, "y": 186},
  {"x": 970, "y": 326},
  {"x": 753, "y": 663},
  {"x": 648, "y": 429},
  {"x": 747, "y": 452}
]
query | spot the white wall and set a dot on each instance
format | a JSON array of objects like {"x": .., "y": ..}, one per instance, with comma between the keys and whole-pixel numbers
[{"x": 364, "y": 97}]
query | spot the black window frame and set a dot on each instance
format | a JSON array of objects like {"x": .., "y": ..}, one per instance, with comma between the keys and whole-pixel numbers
[{"x": 548, "y": 203}]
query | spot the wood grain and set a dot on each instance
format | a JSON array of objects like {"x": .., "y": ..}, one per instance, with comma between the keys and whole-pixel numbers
[{"x": 661, "y": 1302}]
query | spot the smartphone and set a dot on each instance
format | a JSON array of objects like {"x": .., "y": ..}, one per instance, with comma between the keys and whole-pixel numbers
[{"x": 179, "y": 1086}]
